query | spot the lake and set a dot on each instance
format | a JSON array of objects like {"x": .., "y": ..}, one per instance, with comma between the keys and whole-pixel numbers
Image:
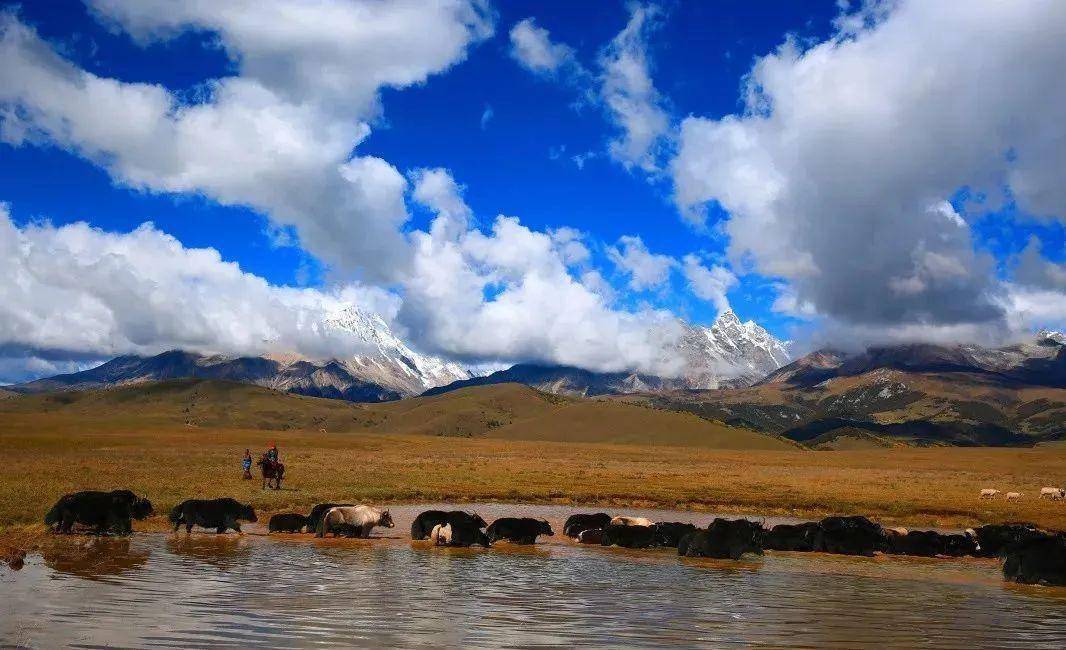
[{"x": 157, "y": 589}]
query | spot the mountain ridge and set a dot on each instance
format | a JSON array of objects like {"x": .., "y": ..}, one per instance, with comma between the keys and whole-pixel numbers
[{"x": 919, "y": 393}]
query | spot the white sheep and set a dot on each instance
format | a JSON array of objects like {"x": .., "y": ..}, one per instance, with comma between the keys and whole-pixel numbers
[{"x": 1052, "y": 493}]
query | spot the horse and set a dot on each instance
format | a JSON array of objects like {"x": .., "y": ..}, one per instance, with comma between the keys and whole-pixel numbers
[{"x": 273, "y": 470}]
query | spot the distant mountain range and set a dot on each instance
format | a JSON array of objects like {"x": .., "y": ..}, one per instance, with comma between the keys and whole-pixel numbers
[
  {"x": 389, "y": 370},
  {"x": 918, "y": 394},
  {"x": 727, "y": 353},
  {"x": 733, "y": 372}
]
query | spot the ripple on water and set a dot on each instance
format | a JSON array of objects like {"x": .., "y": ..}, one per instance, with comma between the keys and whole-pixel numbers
[{"x": 207, "y": 590}]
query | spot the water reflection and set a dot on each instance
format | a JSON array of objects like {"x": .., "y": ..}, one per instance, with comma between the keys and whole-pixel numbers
[
  {"x": 94, "y": 558},
  {"x": 290, "y": 591},
  {"x": 217, "y": 550}
]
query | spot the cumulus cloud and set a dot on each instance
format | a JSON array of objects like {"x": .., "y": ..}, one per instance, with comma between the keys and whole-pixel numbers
[
  {"x": 278, "y": 136},
  {"x": 836, "y": 174},
  {"x": 509, "y": 294},
  {"x": 633, "y": 104},
  {"x": 710, "y": 284},
  {"x": 75, "y": 292},
  {"x": 646, "y": 270},
  {"x": 533, "y": 49},
  {"x": 1032, "y": 269}
]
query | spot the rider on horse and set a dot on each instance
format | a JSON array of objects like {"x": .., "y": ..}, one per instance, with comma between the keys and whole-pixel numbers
[{"x": 272, "y": 453}]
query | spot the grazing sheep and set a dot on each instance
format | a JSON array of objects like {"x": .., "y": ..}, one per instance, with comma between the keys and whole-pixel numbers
[
  {"x": 632, "y": 521},
  {"x": 1013, "y": 496},
  {"x": 989, "y": 493},
  {"x": 1052, "y": 493},
  {"x": 441, "y": 535}
]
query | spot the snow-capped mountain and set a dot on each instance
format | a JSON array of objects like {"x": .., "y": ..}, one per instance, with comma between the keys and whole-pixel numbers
[
  {"x": 729, "y": 353},
  {"x": 388, "y": 370},
  {"x": 391, "y": 363}
]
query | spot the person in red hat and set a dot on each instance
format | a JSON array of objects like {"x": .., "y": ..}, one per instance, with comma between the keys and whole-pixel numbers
[{"x": 272, "y": 453}]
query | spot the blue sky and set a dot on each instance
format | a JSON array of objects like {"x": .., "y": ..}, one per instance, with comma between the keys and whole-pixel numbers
[
  {"x": 507, "y": 167},
  {"x": 508, "y": 138}
]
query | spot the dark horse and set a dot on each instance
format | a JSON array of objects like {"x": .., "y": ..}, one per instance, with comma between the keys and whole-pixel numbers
[{"x": 273, "y": 470}]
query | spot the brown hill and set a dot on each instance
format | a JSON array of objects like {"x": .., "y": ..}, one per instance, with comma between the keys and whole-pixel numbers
[
  {"x": 936, "y": 407},
  {"x": 506, "y": 411}
]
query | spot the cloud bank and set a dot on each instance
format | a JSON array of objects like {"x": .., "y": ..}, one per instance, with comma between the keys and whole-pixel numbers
[
  {"x": 836, "y": 175},
  {"x": 278, "y": 136},
  {"x": 77, "y": 292}
]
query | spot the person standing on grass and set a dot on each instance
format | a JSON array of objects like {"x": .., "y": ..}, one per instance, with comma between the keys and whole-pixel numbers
[{"x": 247, "y": 464}]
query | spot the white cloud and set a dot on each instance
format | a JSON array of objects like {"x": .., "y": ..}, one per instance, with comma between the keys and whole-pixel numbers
[
  {"x": 533, "y": 49},
  {"x": 633, "y": 104},
  {"x": 710, "y": 284},
  {"x": 278, "y": 137},
  {"x": 836, "y": 174},
  {"x": 333, "y": 54},
  {"x": 1032, "y": 269},
  {"x": 438, "y": 191},
  {"x": 510, "y": 295},
  {"x": 76, "y": 292},
  {"x": 646, "y": 270},
  {"x": 486, "y": 116}
]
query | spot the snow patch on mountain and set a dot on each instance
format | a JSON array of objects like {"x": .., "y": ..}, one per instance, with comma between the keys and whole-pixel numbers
[
  {"x": 390, "y": 362},
  {"x": 729, "y": 353}
]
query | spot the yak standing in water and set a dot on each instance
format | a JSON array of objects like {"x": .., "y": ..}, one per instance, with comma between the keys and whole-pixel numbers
[
  {"x": 104, "y": 511},
  {"x": 723, "y": 538},
  {"x": 314, "y": 518},
  {"x": 219, "y": 514},
  {"x": 576, "y": 524},
  {"x": 360, "y": 519},
  {"x": 522, "y": 530},
  {"x": 288, "y": 522},
  {"x": 423, "y": 524},
  {"x": 628, "y": 536}
]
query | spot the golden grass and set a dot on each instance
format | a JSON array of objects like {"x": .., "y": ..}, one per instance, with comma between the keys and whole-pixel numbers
[{"x": 45, "y": 457}]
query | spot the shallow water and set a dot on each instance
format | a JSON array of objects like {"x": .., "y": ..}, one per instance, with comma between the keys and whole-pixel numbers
[{"x": 293, "y": 590}]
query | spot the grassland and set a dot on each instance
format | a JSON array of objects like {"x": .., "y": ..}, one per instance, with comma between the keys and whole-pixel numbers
[{"x": 170, "y": 450}]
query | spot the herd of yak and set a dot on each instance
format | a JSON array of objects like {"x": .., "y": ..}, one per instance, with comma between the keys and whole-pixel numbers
[{"x": 1030, "y": 555}]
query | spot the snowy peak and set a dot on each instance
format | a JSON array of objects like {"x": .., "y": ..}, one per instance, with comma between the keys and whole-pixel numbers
[
  {"x": 1050, "y": 337},
  {"x": 729, "y": 352},
  {"x": 389, "y": 361}
]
